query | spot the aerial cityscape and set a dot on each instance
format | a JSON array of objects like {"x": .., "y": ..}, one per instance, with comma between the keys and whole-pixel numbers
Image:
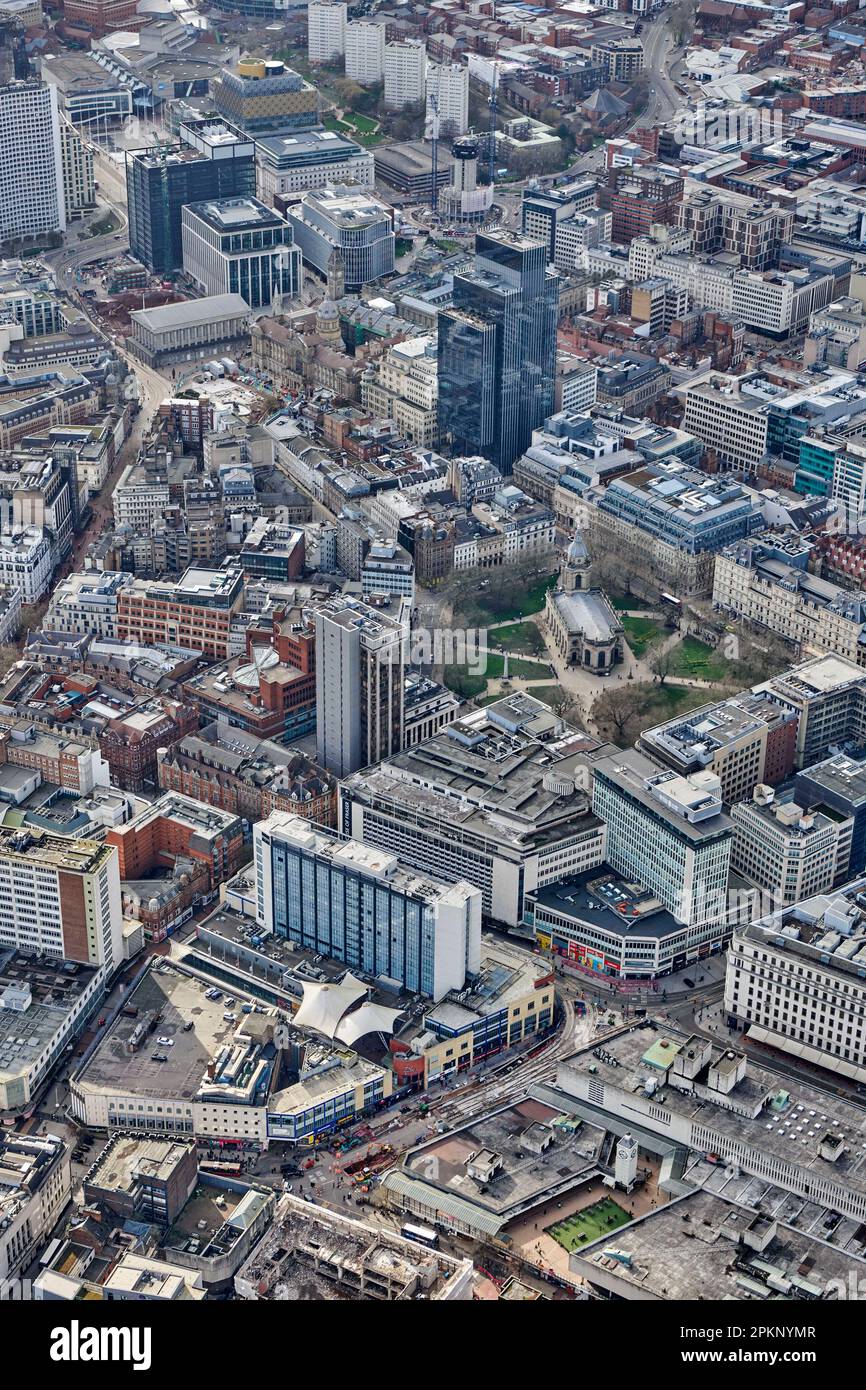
[{"x": 432, "y": 656}]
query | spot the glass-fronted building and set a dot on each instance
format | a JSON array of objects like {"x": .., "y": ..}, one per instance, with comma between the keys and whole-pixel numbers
[
  {"x": 161, "y": 182},
  {"x": 497, "y": 349},
  {"x": 355, "y": 904},
  {"x": 238, "y": 246}
]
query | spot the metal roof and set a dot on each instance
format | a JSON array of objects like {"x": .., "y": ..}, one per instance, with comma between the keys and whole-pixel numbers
[
  {"x": 191, "y": 313},
  {"x": 447, "y": 1203}
]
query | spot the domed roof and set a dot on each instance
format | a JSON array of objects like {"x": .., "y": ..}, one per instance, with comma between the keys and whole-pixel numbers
[
  {"x": 577, "y": 551},
  {"x": 327, "y": 310}
]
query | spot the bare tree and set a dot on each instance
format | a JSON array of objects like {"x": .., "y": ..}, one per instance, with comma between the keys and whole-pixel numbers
[
  {"x": 681, "y": 21},
  {"x": 564, "y": 705},
  {"x": 662, "y": 659},
  {"x": 618, "y": 713}
]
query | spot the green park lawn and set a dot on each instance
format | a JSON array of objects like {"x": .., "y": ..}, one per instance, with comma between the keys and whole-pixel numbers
[
  {"x": 696, "y": 659},
  {"x": 547, "y": 694},
  {"x": 588, "y": 1225},
  {"x": 640, "y": 632},
  {"x": 481, "y": 608},
  {"x": 674, "y": 699},
  {"x": 361, "y": 127},
  {"x": 468, "y": 685},
  {"x": 517, "y": 637}
]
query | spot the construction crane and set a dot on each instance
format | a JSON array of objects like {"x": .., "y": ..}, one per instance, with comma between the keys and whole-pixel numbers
[
  {"x": 491, "y": 138},
  {"x": 433, "y": 102}
]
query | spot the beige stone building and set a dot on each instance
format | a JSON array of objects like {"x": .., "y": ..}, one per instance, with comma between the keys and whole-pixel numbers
[
  {"x": 403, "y": 386},
  {"x": 757, "y": 580}
]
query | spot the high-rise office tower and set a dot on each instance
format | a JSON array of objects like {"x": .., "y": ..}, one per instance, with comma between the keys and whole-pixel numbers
[
  {"x": 238, "y": 246},
  {"x": 497, "y": 349},
  {"x": 31, "y": 170},
  {"x": 359, "y": 905},
  {"x": 213, "y": 161},
  {"x": 360, "y": 668}
]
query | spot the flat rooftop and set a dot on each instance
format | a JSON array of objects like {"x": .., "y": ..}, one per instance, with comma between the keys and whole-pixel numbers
[
  {"x": 55, "y": 989},
  {"x": 214, "y": 1219},
  {"x": 766, "y": 1111},
  {"x": 207, "y": 822},
  {"x": 486, "y": 773},
  {"x": 235, "y": 214},
  {"x": 308, "y": 146},
  {"x": 687, "y": 808},
  {"x": 694, "y": 739},
  {"x": 118, "y": 1068},
  {"x": 828, "y": 930},
  {"x": 126, "y": 1157},
  {"x": 700, "y": 1246},
  {"x": 25, "y": 1162},
  {"x": 823, "y": 675},
  {"x": 601, "y": 897},
  {"x": 345, "y": 206},
  {"x": 331, "y": 847},
  {"x": 841, "y": 774},
  {"x": 525, "y": 1176}
]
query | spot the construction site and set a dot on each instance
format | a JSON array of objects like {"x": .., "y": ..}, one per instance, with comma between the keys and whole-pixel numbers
[{"x": 311, "y": 1253}]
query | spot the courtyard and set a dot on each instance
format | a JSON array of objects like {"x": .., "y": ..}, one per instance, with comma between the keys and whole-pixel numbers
[{"x": 583, "y": 1227}]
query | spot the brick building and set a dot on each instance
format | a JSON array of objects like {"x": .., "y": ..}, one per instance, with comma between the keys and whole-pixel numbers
[
  {"x": 269, "y": 692},
  {"x": 639, "y": 197},
  {"x": 143, "y": 1179},
  {"x": 131, "y": 743},
  {"x": 102, "y": 16},
  {"x": 176, "y": 827},
  {"x": 249, "y": 777},
  {"x": 195, "y": 612},
  {"x": 73, "y": 764}
]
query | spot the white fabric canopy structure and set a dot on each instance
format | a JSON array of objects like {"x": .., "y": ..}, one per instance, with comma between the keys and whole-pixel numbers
[
  {"x": 367, "y": 1018},
  {"x": 324, "y": 1005}
]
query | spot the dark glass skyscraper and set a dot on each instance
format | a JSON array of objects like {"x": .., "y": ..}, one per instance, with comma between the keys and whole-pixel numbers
[
  {"x": 212, "y": 162},
  {"x": 497, "y": 349}
]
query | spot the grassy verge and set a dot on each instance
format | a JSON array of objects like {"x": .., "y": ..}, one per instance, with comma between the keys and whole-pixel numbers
[
  {"x": 518, "y": 637},
  {"x": 639, "y": 633}
]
